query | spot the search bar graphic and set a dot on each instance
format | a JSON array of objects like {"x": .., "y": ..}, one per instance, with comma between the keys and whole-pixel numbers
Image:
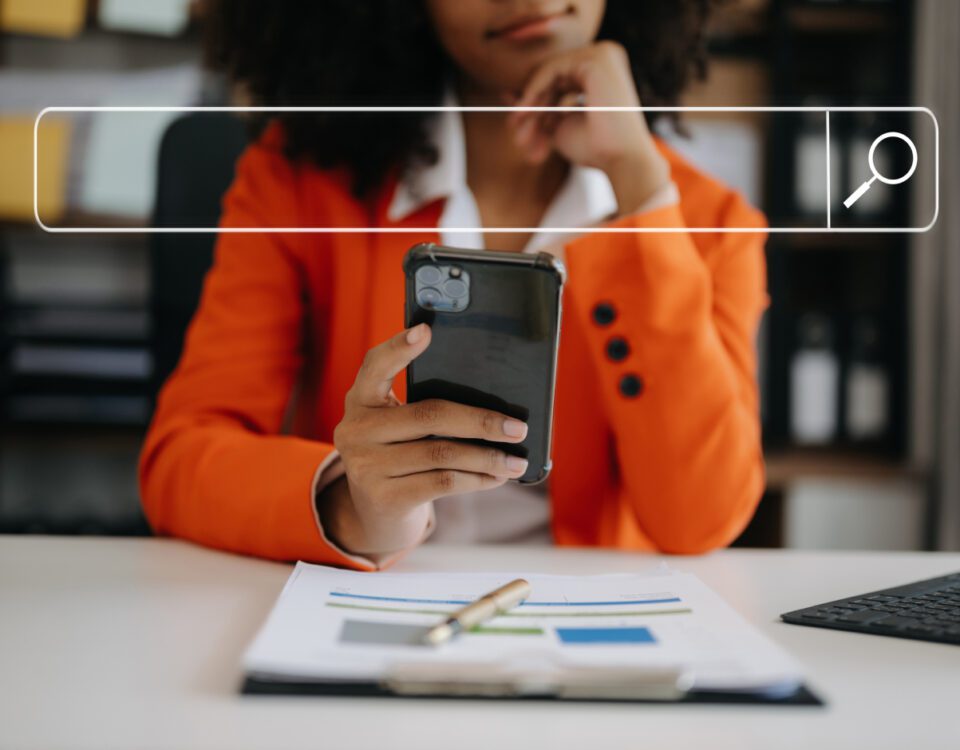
[{"x": 923, "y": 143}]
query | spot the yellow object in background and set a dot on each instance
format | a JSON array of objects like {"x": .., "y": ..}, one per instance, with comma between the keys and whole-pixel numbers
[
  {"x": 60, "y": 18},
  {"x": 16, "y": 176}
]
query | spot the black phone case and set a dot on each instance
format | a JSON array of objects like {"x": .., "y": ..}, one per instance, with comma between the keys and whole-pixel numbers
[{"x": 500, "y": 352}]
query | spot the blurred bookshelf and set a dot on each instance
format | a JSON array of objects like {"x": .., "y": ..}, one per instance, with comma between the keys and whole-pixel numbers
[
  {"x": 839, "y": 303},
  {"x": 835, "y": 373},
  {"x": 76, "y": 381}
]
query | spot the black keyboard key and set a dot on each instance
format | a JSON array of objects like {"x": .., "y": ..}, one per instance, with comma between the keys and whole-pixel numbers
[
  {"x": 894, "y": 622},
  {"x": 863, "y": 616},
  {"x": 921, "y": 629}
]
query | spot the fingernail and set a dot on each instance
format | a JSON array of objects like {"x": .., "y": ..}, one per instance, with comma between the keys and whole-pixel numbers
[
  {"x": 514, "y": 428},
  {"x": 415, "y": 334},
  {"x": 517, "y": 465}
]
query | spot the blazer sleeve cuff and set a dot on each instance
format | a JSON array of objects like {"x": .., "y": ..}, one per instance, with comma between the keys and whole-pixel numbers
[{"x": 329, "y": 471}]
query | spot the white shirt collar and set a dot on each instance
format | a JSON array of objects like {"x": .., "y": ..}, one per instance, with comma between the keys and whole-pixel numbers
[
  {"x": 585, "y": 199},
  {"x": 422, "y": 184}
]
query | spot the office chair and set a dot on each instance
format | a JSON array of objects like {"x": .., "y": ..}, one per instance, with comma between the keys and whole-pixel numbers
[{"x": 195, "y": 167}]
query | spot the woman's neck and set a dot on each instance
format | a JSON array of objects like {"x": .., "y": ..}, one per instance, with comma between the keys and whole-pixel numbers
[{"x": 509, "y": 190}]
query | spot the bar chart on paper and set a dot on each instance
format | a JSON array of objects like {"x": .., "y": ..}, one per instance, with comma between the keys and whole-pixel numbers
[
  {"x": 531, "y": 618},
  {"x": 334, "y": 625}
]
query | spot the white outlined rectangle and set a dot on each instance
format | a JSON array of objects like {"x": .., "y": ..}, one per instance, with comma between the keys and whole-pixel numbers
[
  {"x": 827, "y": 229},
  {"x": 829, "y": 174}
]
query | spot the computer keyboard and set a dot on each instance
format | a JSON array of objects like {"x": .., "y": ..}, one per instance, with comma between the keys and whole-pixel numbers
[{"x": 925, "y": 610}]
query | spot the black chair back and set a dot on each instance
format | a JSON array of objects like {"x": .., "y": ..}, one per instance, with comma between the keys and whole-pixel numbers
[{"x": 196, "y": 166}]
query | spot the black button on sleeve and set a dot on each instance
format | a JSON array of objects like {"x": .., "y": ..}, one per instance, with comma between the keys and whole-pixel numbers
[
  {"x": 618, "y": 349},
  {"x": 631, "y": 386},
  {"x": 604, "y": 314}
]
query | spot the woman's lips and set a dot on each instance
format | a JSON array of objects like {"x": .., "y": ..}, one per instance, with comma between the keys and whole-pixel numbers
[{"x": 526, "y": 29}]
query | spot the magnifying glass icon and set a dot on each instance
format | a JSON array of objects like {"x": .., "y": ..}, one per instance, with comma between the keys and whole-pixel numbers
[{"x": 858, "y": 193}]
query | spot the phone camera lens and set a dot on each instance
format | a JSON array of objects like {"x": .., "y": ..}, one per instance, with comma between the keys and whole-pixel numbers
[
  {"x": 429, "y": 275},
  {"x": 455, "y": 288},
  {"x": 428, "y": 297}
]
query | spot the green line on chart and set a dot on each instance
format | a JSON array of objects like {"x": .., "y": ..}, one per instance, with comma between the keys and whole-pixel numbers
[
  {"x": 628, "y": 613},
  {"x": 485, "y": 630},
  {"x": 536, "y": 615}
]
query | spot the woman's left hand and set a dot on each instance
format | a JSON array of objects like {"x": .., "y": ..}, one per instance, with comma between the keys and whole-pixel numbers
[{"x": 619, "y": 143}]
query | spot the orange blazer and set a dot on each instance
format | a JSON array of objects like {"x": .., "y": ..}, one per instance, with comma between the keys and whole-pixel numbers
[{"x": 285, "y": 319}]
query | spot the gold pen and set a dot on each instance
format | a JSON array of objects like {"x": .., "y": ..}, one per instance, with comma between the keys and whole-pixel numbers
[{"x": 485, "y": 608}]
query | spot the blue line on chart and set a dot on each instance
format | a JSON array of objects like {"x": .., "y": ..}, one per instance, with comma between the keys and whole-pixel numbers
[{"x": 411, "y": 600}]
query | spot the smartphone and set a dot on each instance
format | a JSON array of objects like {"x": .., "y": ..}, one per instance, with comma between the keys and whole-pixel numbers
[{"x": 495, "y": 318}]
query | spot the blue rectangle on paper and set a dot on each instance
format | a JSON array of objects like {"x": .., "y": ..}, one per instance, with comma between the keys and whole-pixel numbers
[{"x": 605, "y": 635}]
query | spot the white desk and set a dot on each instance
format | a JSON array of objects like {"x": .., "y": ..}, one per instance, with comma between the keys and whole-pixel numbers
[{"x": 137, "y": 644}]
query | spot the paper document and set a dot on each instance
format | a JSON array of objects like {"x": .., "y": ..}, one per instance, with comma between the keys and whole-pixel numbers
[
  {"x": 163, "y": 17},
  {"x": 120, "y": 173},
  {"x": 341, "y": 626}
]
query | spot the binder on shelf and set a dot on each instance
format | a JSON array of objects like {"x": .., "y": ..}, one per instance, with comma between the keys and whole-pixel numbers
[
  {"x": 16, "y": 177},
  {"x": 57, "y": 18},
  {"x": 101, "y": 362}
]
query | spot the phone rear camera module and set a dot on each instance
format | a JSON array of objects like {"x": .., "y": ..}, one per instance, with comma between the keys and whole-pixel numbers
[{"x": 442, "y": 288}]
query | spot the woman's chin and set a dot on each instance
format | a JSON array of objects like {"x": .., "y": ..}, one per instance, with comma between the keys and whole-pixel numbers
[
  {"x": 512, "y": 79},
  {"x": 510, "y": 68}
]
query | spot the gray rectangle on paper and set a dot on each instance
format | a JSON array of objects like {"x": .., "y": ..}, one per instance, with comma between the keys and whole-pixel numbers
[{"x": 382, "y": 633}]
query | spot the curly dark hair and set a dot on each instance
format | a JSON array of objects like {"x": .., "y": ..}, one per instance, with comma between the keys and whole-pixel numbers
[{"x": 385, "y": 53}]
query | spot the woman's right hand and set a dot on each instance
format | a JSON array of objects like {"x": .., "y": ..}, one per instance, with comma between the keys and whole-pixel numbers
[{"x": 400, "y": 457}]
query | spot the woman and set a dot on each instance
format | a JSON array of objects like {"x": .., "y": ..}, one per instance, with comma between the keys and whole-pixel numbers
[{"x": 283, "y": 433}]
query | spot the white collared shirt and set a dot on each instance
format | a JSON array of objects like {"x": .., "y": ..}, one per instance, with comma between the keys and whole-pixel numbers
[{"x": 585, "y": 199}]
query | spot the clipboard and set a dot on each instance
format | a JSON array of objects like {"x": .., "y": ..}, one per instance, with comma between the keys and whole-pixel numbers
[
  {"x": 660, "y": 639},
  {"x": 254, "y": 685}
]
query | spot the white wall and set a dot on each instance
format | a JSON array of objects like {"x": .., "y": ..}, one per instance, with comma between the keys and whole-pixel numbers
[{"x": 854, "y": 514}]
